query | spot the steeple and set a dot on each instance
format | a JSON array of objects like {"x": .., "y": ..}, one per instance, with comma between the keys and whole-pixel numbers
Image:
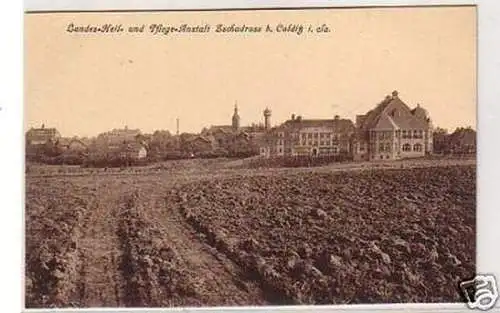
[{"x": 236, "y": 117}]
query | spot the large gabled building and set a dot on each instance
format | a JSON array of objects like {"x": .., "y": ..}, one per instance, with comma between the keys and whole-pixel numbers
[
  {"x": 392, "y": 130},
  {"x": 42, "y": 135},
  {"x": 309, "y": 137}
]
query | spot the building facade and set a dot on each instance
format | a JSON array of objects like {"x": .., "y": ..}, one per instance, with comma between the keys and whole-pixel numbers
[
  {"x": 392, "y": 130},
  {"x": 116, "y": 136},
  {"x": 309, "y": 137},
  {"x": 42, "y": 135}
]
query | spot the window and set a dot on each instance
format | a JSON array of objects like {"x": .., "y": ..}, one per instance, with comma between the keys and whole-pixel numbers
[
  {"x": 381, "y": 157},
  {"x": 280, "y": 150},
  {"x": 303, "y": 142},
  {"x": 327, "y": 135},
  {"x": 362, "y": 148},
  {"x": 315, "y": 135},
  {"x": 322, "y": 143},
  {"x": 387, "y": 157},
  {"x": 405, "y": 134},
  {"x": 315, "y": 142},
  {"x": 280, "y": 142},
  {"x": 335, "y": 149},
  {"x": 417, "y": 147},
  {"x": 303, "y": 136},
  {"x": 381, "y": 147},
  {"x": 322, "y": 135},
  {"x": 406, "y": 147},
  {"x": 388, "y": 147},
  {"x": 415, "y": 134},
  {"x": 309, "y": 135}
]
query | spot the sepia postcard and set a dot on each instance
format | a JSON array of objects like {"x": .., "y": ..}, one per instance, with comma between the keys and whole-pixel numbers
[{"x": 258, "y": 157}]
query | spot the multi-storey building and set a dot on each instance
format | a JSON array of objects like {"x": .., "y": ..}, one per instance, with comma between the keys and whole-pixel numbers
[
  {"x": 392, "y": 130},
  {"x": 116, "y": 136},
  {"x": 314, "y": 137},
  {"x": 42, "y": 135}
]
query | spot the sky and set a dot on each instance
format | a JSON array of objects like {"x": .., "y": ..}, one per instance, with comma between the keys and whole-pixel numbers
[{"x": 85, "y": 84}]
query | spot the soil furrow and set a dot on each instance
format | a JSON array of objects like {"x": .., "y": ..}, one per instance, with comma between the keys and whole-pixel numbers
[{"x": 98, "y": 250}]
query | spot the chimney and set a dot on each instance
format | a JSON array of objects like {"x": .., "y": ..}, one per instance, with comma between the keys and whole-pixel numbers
[
  {"x": 177, "y": 131},
  {"x": 293, "y": 117},
  {"x": 336, "y": 117}
]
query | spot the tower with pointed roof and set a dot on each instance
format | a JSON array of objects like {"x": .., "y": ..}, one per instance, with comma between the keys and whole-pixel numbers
[{"x": 236, "y": 118}]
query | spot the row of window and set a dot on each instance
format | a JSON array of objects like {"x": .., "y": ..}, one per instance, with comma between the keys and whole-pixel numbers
[
  {"x": 417, "y": 134},
  {"x": 316, "y": 143},
  {"x": 405, "y": 134},
  {"x": 304, "y": 136},
  {"x": 406, "y": 147},
  {"x": 305, "y": 142},
  {"x": 416, "y": 147}
]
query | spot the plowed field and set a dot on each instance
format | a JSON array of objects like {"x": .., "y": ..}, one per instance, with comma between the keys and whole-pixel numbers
[{"x": 162, "y": 237}]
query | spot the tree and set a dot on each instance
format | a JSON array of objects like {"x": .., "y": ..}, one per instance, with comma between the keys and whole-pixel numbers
[
  {"x": 463, "y": 140},
  {"x": 52, "y": 149},
  {"x": 440, "y": 140},
  {"x": 161, "y": 142}
]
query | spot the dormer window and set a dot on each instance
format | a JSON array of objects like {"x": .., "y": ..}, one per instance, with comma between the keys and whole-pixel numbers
[{"x": 394, "y": 113}]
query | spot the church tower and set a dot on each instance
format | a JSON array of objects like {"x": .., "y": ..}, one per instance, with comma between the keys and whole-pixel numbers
[
  {"x": 267, "y": 119},
  {"x": 236, "y": 118}
]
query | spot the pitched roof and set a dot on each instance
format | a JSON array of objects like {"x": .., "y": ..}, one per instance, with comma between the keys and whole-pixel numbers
[
  {"x": 252, "y": 128},
  {"x": 221, "y": 128},
  {"x": 202, "y": 138},
  {"x": 77, "y": 141},
  {"x": 42, "y": 133},
  {"x": 337, "y": 124},
  {"x": 386, "y": 122},
  {"x": 393, "y": 113}
]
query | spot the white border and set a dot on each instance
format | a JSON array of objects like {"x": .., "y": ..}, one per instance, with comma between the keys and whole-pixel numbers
[
  {"x": 11, "y": 163},
  {"x": 11, "y": 134},
  {"x": 54, "y": 5}
]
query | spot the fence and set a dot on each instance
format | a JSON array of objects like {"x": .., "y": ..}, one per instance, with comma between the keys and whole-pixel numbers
[{"x": 299, "y": 161}]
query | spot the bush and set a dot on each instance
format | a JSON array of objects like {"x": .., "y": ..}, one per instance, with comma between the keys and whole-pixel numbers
[
  {"x": 114, "y": 162},
  {"x": 301, "y": 161}
]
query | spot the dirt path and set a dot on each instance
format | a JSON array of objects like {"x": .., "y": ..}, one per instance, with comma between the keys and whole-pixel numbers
[
  {"x": 100, "y": 282},
  {"x": 219, "y": 281}
]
